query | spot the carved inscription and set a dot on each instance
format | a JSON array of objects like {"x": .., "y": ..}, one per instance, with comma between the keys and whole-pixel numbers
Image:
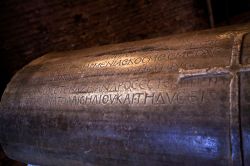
[
  {"x": 151, "y": 77},
  {"x": 138, "y": 62},
  {"x": 137, "y": 57},
  {"x": 123, "y": 85},
  {"x": 135, "y": 98},
  {"x": 137, "y": 91}
]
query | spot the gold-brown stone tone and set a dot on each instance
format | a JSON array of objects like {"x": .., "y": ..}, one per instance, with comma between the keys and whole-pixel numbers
[{"x": 178, "y": 100}]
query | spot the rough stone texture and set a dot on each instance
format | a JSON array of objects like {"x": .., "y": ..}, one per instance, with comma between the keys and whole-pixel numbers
[
  {"x": 29, "y": 29},
  {"x": 172, "y": 100}
]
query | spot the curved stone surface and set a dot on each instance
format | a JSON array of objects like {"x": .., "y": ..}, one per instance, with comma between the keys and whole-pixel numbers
[{"x": 178, "y": 100}]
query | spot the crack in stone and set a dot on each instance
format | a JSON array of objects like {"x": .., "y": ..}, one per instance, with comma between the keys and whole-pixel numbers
[{"x": 234, "y": 69}]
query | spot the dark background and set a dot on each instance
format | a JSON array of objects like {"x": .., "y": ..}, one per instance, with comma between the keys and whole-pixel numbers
[{"x": 31, "y": 28}]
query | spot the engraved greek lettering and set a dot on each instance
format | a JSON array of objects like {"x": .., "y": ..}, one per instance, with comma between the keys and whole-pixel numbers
[
  {"x": 100, "y": 99},
  {"x": 136, "y": 98},
  {"x": 160, "y": 99},
  {"x": 137, "y": 60},
  {"x": 180, "y": 97},
  {"x": 141, "y": 84},
  {"x": 125, "y": 62},
  {"x": 88, "y": 98},
  {"x": 71, "y": 100},
  {"x": 127, "y": 86},
  {"x": 119, "y": 98},
  {"x": 112, "y": 99},
  {"x": 105, "y": 99},
  {"x": 81, "y": 100},
  {"x": 150, "y": 97},
  {"x": 193, "y": 98},
  {"x": 127, "y": 99},
  {"x": 146, "y": 60},
  {"x": 94, "y": 101},
  {"x": 170, "y": 99},
  {"x": 134, "y": 84}
]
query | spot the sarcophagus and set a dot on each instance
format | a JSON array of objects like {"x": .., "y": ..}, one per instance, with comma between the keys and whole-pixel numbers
[{"x": 179, "y": 100}]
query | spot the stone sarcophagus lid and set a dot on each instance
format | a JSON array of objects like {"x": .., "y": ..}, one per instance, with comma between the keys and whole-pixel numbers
[{"x": 179, "y": 100}]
